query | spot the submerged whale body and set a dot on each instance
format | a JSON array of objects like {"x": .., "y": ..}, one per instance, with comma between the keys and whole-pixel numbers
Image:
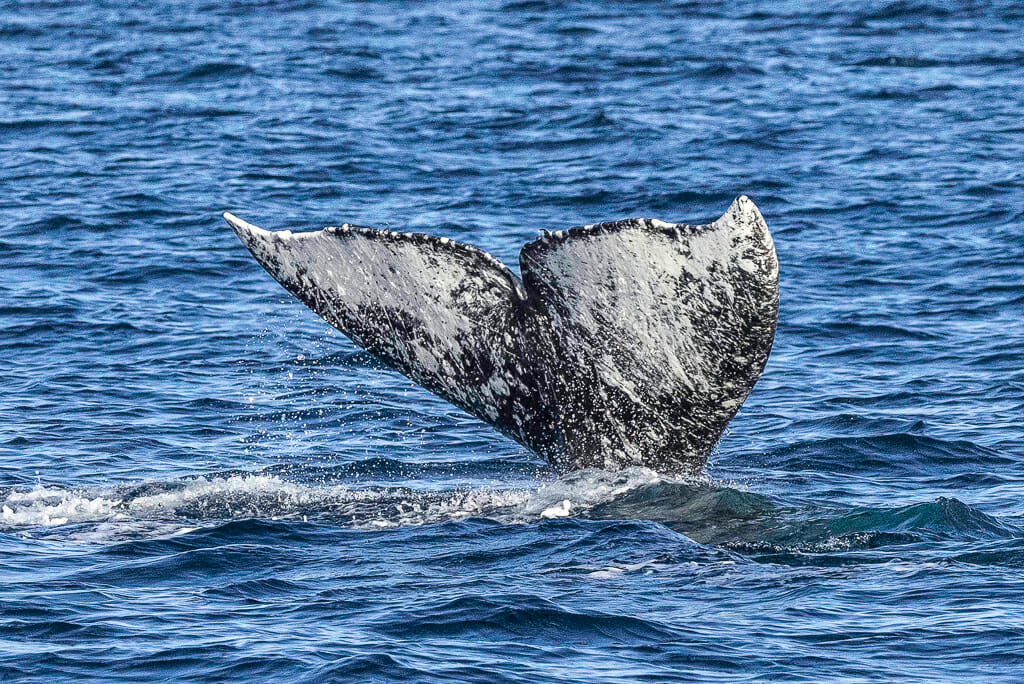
[{"x": 626, "y": 343}]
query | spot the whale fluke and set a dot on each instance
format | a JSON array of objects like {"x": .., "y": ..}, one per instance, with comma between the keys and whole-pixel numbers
[{"x": 626, "y": 343}]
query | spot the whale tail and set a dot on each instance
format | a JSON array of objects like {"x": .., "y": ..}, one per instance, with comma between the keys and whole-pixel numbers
[{"x": 625, "y": 343}]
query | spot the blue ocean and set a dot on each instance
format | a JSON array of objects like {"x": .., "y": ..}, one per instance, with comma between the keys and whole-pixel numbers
[{"x": 200, "y": 480}]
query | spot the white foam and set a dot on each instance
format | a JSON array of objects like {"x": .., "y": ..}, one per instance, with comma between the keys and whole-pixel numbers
[
  {"x": 609, "y": 572},
  {"x": 174, "y": 507},
  {"x": 50, "y": 506},
  {"x": 583, "y": 489}
]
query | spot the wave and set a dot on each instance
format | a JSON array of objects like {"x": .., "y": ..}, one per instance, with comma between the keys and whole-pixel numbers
[
  {"x": 902, "y": 10},
  {"x": 521, "y": 617},
  {"x": 865, "y": 529},
  {"x": 899, "y": 454},
  {"x": 897, "y": 61},
  {"x": 724, "y": 71},
  {"x": 232, "y": 496},
  {"x": 907, "y": 62},
  {"x": 944, "y": 517},
  {"x": 700, "y": 509},
  {"x": 694, "y": 506},
  {"x": 240, "y": 497},
  {"x": 209, "y": 71}
]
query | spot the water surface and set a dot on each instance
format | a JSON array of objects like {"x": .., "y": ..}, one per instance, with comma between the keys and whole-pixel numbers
[{"x": 200, "y": 480}]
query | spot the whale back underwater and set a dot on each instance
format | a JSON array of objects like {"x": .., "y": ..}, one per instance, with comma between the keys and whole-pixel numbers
[{"x": 626, "y": 343}]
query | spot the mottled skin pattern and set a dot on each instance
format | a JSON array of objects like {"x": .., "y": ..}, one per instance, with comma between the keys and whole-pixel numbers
[{"x": 626, "y": 343}]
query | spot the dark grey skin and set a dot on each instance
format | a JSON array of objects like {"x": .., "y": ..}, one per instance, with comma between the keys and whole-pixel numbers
[{"x": 629, "y": 343}]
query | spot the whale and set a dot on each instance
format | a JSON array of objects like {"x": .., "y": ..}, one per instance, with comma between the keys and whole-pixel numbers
[{"x": 626, "y": 343}]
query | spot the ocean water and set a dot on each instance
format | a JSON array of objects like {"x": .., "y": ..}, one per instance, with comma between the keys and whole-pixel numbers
[{"x": 199, "y": 480}]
